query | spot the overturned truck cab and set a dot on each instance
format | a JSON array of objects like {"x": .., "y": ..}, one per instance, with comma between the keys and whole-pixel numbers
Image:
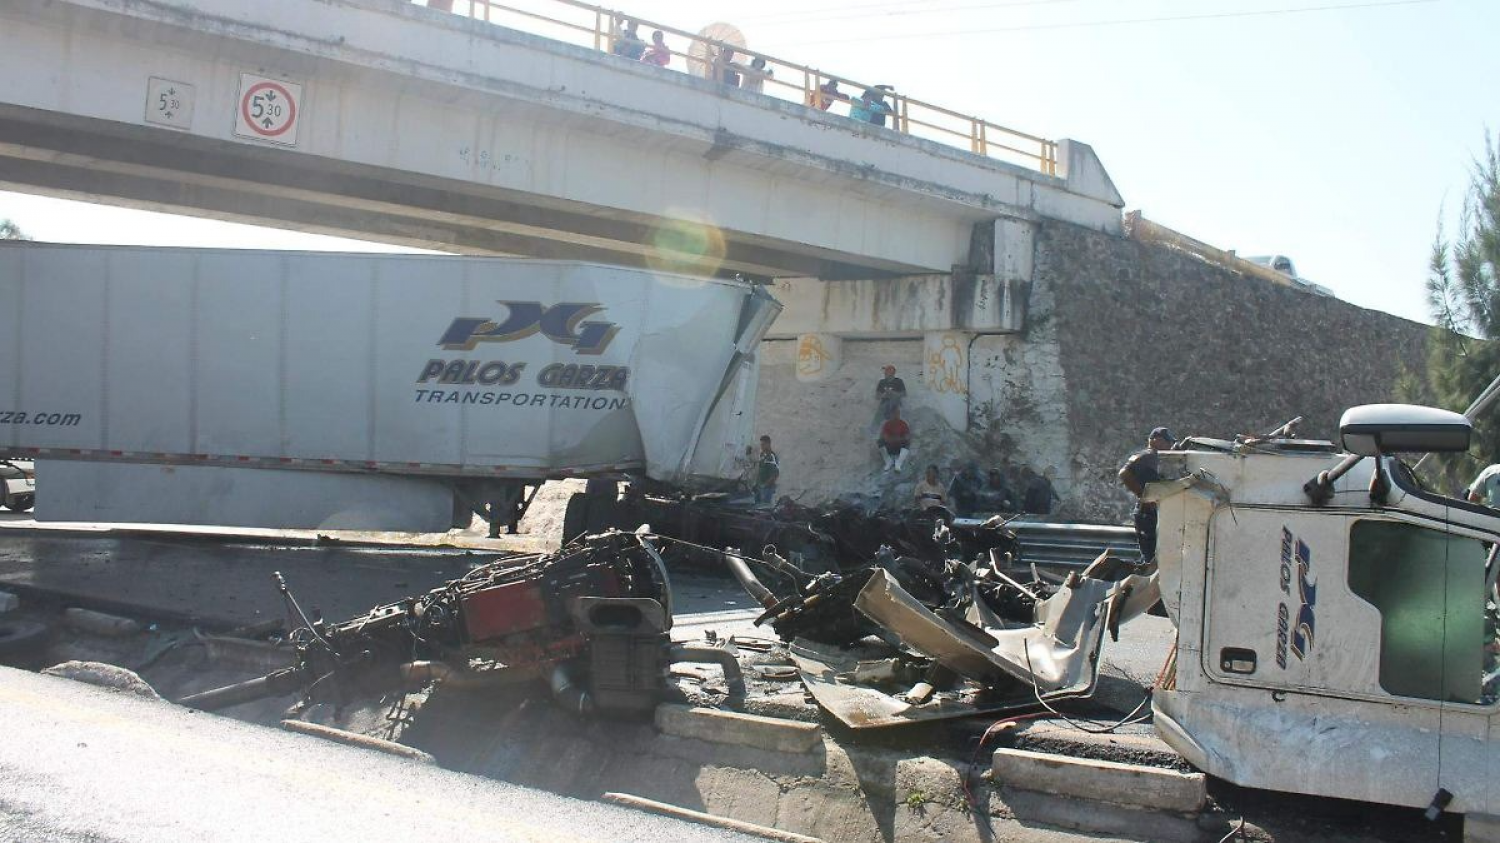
[{"x": 1336, "y": 621}]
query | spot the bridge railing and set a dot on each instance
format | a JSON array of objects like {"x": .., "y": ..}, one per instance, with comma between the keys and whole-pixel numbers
[{"x": 603, "y": 29}]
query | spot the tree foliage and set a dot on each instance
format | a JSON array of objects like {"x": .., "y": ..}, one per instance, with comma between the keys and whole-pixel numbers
[
  {"x": 1463, "y": 297},
  {"x": 11, "y": 231}
]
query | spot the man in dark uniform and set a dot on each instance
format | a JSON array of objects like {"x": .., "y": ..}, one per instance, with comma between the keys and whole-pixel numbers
[
  {"x": 963, "y": 492},
  {"x": 1037, "y": 494},
  {"x": 997, "y": 495},
  {"x": 1145, "y": 467},
  {"x": 889, "y": 392},
  {"x": 767, "y": 472}
]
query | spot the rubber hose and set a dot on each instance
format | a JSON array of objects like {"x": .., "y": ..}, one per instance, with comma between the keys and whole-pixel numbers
[
  {"x": 703, "y": 654},
  {"x": 752, "y": 586}
]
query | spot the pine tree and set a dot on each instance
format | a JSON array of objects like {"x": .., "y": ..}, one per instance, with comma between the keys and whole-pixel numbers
[{"x": 1463, "y": 297}]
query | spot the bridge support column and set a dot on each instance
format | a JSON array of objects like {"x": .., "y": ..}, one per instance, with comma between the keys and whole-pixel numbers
[{"x": 993, "y": 291}]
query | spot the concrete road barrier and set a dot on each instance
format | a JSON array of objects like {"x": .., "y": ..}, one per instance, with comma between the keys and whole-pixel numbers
[
  {"x": 99, "y": 623},
  {"x": 732, "y": 727},
  {"x": 354, "y": 739},
  {"x": 1481, "y": 828},
  {"x": 741, "y": 826},
  {"x": 1105, "y": 781}
]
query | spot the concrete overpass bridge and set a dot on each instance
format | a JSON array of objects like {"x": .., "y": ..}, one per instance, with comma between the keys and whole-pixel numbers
[{"x": 387, "y": 121}]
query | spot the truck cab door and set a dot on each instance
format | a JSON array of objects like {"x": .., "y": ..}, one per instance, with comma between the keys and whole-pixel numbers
[{"x": 1370, "y": 631}]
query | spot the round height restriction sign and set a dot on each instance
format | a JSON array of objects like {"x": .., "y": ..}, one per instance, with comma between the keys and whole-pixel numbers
[{"x": 268, "y": 109}]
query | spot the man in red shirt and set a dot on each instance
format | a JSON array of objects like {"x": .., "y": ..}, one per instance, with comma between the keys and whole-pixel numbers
[{"x": 895, "y": 440}]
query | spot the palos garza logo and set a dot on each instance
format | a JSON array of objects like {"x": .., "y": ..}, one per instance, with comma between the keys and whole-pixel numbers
[{"x": 562, "y": 323}]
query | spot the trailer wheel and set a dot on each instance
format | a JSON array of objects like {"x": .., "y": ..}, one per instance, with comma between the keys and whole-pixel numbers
[
  {"x": 21, "y": 503},
  {"x": 20, "y": 638},
  {"x": 575, "y": 517}
]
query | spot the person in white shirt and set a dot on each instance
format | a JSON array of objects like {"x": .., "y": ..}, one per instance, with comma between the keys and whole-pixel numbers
[
  {"x": 755, "y": 76},
  {"x": 929, "y": 492},
  {"x": 1486, "y": 487}
]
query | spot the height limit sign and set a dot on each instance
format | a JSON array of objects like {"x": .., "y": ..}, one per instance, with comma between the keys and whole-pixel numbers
[{"x": 268, "y": 109}]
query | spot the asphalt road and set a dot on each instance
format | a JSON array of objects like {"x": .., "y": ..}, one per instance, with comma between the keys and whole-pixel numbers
[
  {"x": 222, "y": 580},
  {"x": 78, "y": 763}
]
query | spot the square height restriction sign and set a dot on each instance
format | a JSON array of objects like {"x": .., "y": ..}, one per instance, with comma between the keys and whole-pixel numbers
[{"x": 268, "y": 109}]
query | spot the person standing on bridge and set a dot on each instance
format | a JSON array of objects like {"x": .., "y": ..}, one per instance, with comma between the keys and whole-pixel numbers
[
  {"x": 1145, "y": 467},
  {"x": 756, "y": 75},
  {"x": 659, "y": 54},
  {"x": 825, "y": 95},
  {"x": 879, "y": 108},
  {"x": 726, "y": 69},
  {"x": 871, "y": 106},
  {"x": 630, "y": 44}
]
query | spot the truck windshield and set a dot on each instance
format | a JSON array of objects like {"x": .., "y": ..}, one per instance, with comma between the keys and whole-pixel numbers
[{"x": 1437, "y": 632}]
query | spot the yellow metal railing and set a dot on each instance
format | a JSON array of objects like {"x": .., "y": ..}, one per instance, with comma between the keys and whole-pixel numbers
[{"x": 603, "y": 29}]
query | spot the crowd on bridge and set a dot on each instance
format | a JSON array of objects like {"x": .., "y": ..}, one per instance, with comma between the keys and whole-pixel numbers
[{"x": 724, "y": 66}]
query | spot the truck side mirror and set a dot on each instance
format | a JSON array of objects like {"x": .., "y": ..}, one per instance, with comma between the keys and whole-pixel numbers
[{"x": 1374, "y": 429}]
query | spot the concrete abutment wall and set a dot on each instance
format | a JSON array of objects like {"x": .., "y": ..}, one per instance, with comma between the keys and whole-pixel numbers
[{"x": 1108, "y": 337}]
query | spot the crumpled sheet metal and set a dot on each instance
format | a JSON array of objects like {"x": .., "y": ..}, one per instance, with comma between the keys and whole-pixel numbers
[
  {"x": 1058, "y": 654},
  {"x": 864, "y": 707}
]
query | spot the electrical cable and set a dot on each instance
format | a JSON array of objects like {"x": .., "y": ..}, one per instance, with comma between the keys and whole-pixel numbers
[
  {"x": 774, "y": 566},
  {"x": 1239, "y": 830},
  {"x": 974, "y": 759},
  {"x": 1368, "y": 4},
  {"x": 1128, "y": 720}
]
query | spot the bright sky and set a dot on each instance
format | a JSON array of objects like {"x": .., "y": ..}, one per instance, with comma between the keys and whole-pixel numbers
[{"x": 1335, "y": 133}]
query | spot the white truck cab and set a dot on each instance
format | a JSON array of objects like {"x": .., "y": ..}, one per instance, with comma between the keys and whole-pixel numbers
[
  {"x": 1285, "y": 266},
  {"x": 17, "y": 485},
  {"x": 1279, "y": 263},
  {"x": 1336, "y": 621}
]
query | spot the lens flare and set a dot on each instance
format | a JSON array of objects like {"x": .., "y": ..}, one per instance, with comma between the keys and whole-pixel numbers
[{"x": 682, "y": 244}]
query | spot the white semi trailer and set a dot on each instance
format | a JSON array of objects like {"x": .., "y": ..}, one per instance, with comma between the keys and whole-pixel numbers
[{"x": 343, "y": 391}]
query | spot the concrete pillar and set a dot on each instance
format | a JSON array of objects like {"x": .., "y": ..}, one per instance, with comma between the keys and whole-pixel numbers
[
  {"x": 1015, "y": 246},
  {"x": 945, "y": 373},
  {"x": 818, "y": 356}
]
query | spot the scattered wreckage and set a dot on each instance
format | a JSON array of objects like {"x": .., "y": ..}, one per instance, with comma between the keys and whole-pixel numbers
[
  {"x": 592, "y": 621},
  {"x": 908, "y": 638}
]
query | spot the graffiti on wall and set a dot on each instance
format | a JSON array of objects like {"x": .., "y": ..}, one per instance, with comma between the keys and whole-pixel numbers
[
  {"x": 817, "y": 356},
  {"x": 946, "y": 362}
]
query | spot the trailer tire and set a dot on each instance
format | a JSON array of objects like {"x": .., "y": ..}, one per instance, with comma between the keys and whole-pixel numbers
[
  {"x": 21, "y": 503},
  {"x": 20, "y": 638},
  {"x": 575, "y": 517},
  {"x": 601, "y": 516}
]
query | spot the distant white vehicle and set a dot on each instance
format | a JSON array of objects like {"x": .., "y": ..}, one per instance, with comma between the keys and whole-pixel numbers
[
  {"x": 17, "y": 485},
  {"x": 1284, "y": 265}
]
